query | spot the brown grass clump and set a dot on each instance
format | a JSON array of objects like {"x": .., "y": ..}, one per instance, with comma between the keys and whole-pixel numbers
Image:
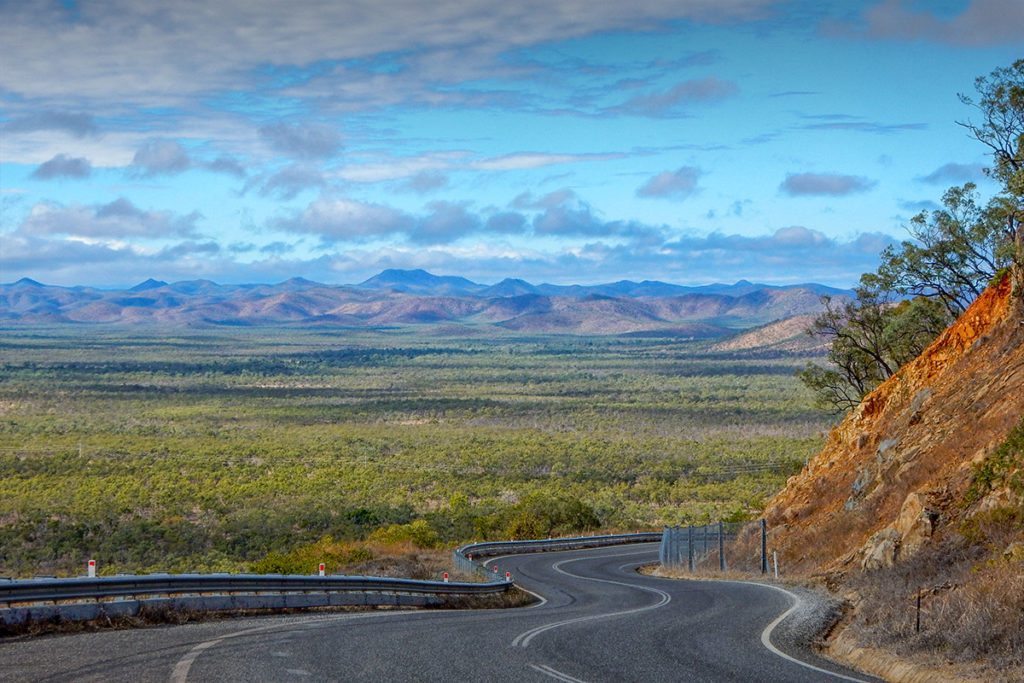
[{"x": 972, "y": 607}]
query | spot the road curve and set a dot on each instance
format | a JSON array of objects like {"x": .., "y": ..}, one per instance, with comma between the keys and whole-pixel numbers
[{"x": 597, "y": 620}]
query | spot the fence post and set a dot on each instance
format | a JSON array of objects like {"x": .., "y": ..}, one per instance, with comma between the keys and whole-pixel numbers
[
  {"x": 689, "y": 546},
  {"x": 721, "y": 547},
  {"x": 764, "y": 545}
]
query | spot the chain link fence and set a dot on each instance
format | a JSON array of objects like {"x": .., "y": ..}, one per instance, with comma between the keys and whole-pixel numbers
[{"x": 738, "y": 546}]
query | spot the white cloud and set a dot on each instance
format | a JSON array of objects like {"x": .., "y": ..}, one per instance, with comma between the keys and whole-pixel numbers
[
  {"x": 156, "y": 53},
  {"x": 530, "y": 160},
  {"x": 118, "y": 219},
  {"x": 678, "y": 184},
  {"x": 346, "y": 219},
  {"x": 674, "y": 100},
  {"x": 157, "y": 157},
  {"x": 63, "y": 166},
  {"x": 824, "y": 184},
  {"x": 303, "y": 141},
  {"x": 955, "y": 174},
  {"x": 981, "y": 23}
]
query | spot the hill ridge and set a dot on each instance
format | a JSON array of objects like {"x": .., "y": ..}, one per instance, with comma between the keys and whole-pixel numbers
[{"x": 417, "y": 298}]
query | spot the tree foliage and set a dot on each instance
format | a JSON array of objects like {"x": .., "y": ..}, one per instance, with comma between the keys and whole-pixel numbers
[
  {"x": 212, "y": 451},
  {"x": 953, "y": 254},
  {"x": 1000, "y": 102},
  {"x": 871, "y": 337}
]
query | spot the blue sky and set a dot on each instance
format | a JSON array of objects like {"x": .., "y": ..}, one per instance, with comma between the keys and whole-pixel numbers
[{"x": 563, "y": 141}]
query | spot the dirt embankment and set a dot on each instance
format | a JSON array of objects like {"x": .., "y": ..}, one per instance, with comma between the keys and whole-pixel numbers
[{"x": 885, "y": 501}]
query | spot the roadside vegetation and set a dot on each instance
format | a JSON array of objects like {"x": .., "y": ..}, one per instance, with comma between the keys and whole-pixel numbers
[
  {"x": 159, "y": 450},
  {"x": 961, "y": 598},
  {"x": 928, "y": 281}
]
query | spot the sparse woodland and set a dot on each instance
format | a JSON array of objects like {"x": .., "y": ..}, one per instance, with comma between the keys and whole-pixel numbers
[{"x": 236, "y": 449}]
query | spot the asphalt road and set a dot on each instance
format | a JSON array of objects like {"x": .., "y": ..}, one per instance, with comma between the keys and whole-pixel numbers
[{"x": 597, "y": 620}]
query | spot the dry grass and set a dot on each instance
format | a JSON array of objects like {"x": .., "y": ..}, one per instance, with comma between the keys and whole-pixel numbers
[{"x": 972, "y": 608}]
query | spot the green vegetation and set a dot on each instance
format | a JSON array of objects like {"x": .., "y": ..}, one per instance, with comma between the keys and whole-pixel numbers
[
  {"x": 1003, "y": 467},
  {"x": 953, "y": 254},
  {"x": 214, "y": 450}
]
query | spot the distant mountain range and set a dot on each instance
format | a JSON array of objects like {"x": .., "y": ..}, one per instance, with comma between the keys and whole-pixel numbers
[{"x": 416, "y": 297}]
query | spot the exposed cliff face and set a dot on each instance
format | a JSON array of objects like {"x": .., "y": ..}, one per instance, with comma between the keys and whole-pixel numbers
[{"x": 894, "y": 473}]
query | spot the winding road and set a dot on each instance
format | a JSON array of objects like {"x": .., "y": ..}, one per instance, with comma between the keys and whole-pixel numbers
[{"x": 597, "y": 620}]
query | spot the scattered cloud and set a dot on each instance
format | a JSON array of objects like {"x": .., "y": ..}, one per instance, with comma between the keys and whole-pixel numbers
[
  {"x": 710, "y": 89},
  {"x": 118, "y": 219},
  {"x": 159, "y": 157},
  {"x": 144, "y": 62},
  {"x": 678, "y": 184},
  {"x": 866, "y": 126},
  {"x": 77, "y": 124},
  {"x": 824, "y": 184},
  {"x": 346, "y": 219},
  {"x": 226, "y": 164},
  {"x": 956, "y": 174},
  {"x": 289, "y": 182},
  {"x": 446, "y": 222},
  {"x": 917, "y": 206},
  {"x": 551, "y": 200},
  {"x": 63, "y": 166},
  {"x": 302, "y": 141},
  {"x": 423, "y": 182},
  {"x": 506, "y": 223},
  {"x": 529, "y": 160},
  {"x": 980, "y": 23}
]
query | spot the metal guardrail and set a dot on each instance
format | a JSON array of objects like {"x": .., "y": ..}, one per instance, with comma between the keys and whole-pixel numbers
[
  {"x": 45, "y": 590},
  {"x": 83, "y": 598},
  {"x": 86, "y": 598},
  {"x": 464, "y": 556}
]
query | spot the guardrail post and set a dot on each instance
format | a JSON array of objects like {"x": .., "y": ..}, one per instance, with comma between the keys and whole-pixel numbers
[
  {"x": 764, "y": 545},
  {"x": 721, "y": 547},
  {"x": 689, "y": 546}
]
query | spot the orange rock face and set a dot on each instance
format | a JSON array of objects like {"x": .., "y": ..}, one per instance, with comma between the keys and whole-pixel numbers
[{"x": 908, "y": 446}]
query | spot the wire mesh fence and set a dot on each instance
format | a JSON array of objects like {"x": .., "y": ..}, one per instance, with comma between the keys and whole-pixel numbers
[{"x": 721, "y": 546}]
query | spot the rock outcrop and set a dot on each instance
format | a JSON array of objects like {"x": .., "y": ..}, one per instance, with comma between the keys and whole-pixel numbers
[{"x": 895, "y": 470}]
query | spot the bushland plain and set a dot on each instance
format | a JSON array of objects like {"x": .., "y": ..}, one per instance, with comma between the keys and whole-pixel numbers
[{"x": 233, "y": 449}]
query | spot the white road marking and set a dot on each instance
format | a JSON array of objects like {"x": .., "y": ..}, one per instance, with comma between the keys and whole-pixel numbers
[
  {"x": 524, "y": 638},
  {"x": 766, "y": 635},
  {"x": 181, "y": 670},
  {"x": 542, "y": 600}
]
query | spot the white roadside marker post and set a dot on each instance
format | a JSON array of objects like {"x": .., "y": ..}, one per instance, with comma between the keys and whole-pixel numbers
[
  {"x": 322, "y": 568},
  {"x": 92, "y": 569}
]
